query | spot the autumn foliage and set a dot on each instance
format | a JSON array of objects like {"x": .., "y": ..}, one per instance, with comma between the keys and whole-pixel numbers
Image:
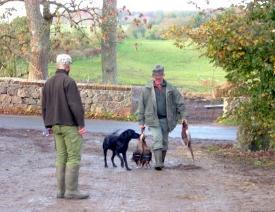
[{"x": 241, "y": 40}]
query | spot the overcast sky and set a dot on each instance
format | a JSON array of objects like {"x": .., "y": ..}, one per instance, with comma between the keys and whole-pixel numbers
[
  {"x": 171, "y": 5},
  {"x": 149, "y": 5}
]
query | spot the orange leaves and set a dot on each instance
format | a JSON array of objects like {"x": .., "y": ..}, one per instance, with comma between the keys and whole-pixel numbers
[{"x": 241, "y": 41}]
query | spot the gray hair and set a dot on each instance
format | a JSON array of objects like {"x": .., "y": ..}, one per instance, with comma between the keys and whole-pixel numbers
[{"x": 63, "y": 59}]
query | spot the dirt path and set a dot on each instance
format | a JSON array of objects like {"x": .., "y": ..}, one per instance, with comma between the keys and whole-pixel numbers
[{"x": 27, "y": 177}]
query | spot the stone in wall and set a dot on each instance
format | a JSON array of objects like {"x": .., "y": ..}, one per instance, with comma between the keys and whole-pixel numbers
[
  {"x": 103, "y": 97},
  {"x": 23, "y": 92},
  {"x": 91, "y": 93},
  {"x": 83, "y": 94},
  {"x": 5, "y": 100},
  {"x": 39, "y": 101},
  {"x": 16, "y": 100},
  {"x": 12, "y": 89},
  {"x": 118, "y": 98},
  {"x": 34, "y": 108},
  {"x": 35, "y": 92},
  {"x": 87, "y": 100},
  {"x": 3, "y": 88},
  {"x": 29, "y": 101}
]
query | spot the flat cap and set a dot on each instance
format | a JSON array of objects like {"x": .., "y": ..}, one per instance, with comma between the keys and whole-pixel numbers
[{"x": 159, "y": 69}]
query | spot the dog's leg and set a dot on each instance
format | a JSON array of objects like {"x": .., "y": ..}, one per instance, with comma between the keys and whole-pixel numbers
[
  {"x": 125, "y": 161},
  {"x": 121, "y": 159},
  {"x": 112, "y": 158},
  {"x": 105, "y": 160}
]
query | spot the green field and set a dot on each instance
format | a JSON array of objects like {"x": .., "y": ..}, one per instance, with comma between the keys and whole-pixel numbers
[{"x": 185, "y": 68}]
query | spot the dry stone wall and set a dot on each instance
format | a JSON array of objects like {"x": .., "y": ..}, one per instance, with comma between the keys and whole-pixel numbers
[
  {"x": 19, "y": 96},
  {"x": 24, "y": 97}
]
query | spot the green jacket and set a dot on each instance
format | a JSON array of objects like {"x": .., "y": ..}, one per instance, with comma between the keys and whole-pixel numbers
[{"x": 147, "y": 111}]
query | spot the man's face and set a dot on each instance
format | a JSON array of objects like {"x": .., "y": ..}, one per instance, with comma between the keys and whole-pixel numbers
[{"x": 158, "y": 78}]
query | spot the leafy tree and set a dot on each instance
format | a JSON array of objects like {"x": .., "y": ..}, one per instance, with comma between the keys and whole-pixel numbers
[
  {"x": 40, "y": 16},
  {"x": 14, "y": 41},
  {"x": 241, "y": 41},
  {"x": 136, "y": 31},
  {"x": 154, "y": 33}
]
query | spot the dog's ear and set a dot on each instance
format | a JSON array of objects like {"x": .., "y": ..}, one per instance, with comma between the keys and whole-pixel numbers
[
  {"x": 129, "y": 132},
  {"x": 126, "y": 134}
]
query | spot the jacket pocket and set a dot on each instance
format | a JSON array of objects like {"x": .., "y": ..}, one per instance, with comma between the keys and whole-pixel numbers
[{"x": 149, "y": 119}]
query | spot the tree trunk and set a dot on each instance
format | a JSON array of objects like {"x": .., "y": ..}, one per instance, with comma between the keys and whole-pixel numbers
[
  {"x": 40, "y": 39},
  {"x": 109, "y": 42}
]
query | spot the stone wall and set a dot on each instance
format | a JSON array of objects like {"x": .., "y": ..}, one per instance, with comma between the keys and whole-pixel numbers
[
  {"x": 24, "y": 97},
  {"x": 99, "y": 99},
  {"x": 19, "y": 96}
]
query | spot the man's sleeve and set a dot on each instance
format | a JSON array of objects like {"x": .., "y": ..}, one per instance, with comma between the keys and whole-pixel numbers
[
  {"x": 43, "y": 104},
  {"x": 75, "y": 104},
  {"x": 141, "y": 108},
  {"x": 179, "y": 100}
]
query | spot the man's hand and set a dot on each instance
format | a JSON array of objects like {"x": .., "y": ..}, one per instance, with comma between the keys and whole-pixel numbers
[
  {"x": 184, "y": 123},
  {"x": 82, "y": 130},
  {"x": 142, "y": 128},
  {"x": 48, "y": 131}
]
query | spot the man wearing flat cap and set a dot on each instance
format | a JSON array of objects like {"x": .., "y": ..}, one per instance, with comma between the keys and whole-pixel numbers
[
  {"x": 63, "y": 114},
  {"x": 160, "y": 107}
]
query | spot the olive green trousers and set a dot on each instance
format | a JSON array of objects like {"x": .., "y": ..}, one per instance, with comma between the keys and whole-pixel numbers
[
  {"x": 160, "y": 135},
  {"x": 68, "y": 144}
]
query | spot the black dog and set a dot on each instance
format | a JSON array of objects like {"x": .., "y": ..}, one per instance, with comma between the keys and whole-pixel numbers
[{"x": 118, "y": 144}]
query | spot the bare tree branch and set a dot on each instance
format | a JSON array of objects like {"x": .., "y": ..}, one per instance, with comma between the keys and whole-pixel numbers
[{"x": 2, "y": 2}]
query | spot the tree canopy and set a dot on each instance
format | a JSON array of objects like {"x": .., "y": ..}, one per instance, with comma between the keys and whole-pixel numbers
[{"x": 242, "y": 41}]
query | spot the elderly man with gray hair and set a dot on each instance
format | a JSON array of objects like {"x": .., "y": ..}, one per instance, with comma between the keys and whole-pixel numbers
[
  {"x": 63, "y": 114},
  {"x": 160, "y": 107}
]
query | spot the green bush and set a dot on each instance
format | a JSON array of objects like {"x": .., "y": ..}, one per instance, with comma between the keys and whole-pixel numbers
[
  {"x": 241, "y": 41},
  {"x": 14, "y": 45}
]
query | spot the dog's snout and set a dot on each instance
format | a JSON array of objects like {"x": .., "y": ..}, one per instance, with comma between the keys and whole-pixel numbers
[{"x": 136, "y": 135}]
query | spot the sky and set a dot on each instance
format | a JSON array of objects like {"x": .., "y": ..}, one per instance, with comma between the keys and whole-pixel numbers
[
  {"x": 146, "y": 5},
  {"x": 172, "y": 5}
]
